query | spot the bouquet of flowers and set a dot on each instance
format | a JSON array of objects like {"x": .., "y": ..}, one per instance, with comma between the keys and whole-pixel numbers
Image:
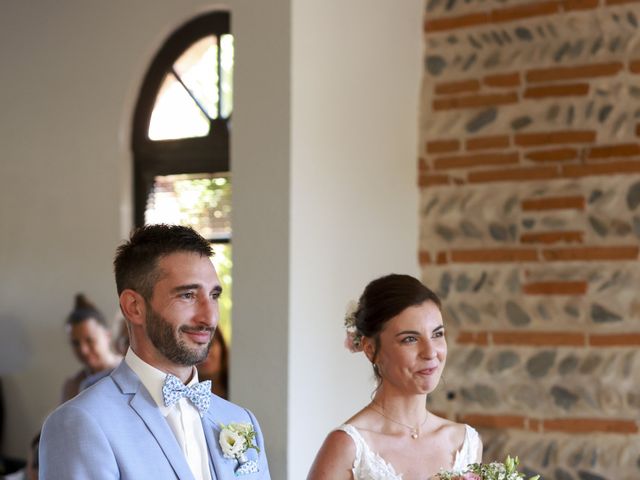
[{"x": 488, "y": 471}]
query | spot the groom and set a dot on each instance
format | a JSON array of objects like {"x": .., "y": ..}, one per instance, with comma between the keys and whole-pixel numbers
[{"x": 151, "y": 419}]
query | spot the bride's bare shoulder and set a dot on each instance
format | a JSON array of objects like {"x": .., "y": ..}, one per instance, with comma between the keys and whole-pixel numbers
[{"x": 335, "y": 458}]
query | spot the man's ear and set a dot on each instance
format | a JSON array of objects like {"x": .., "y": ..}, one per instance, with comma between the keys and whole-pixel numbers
[{"x": 133, "y": 306}]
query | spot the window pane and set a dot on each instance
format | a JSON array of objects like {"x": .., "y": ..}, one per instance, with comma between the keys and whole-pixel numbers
[
  {"x": 175, "y": 114},
  {"x": 198, "y": 69},
  {"x": 201, "y": 201},
  {"x": 223, "y": 264},
  {"x": 226, "y": 74}
]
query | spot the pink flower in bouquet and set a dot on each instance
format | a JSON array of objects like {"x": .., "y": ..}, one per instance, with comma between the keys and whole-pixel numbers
[{"x": 470, "y": 476}]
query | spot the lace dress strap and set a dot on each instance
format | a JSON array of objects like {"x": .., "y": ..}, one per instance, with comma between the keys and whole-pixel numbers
[
  {"x": 357, "y": 440},
  {"x": 469, "y": 451},
  {"x": 368, "y": 465}
]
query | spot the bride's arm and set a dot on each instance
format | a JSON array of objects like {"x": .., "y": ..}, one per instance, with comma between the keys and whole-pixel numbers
[{"x": 334, "y": 460}]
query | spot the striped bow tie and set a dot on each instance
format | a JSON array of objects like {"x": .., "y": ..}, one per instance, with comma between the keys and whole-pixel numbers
[{"x": 199, "y": 394}]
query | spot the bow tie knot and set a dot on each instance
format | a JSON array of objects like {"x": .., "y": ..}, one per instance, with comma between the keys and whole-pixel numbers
[{"x": 199, "y": 394}]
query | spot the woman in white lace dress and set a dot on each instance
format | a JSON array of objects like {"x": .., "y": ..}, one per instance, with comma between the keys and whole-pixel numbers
[{"x": 398, "y": 325}]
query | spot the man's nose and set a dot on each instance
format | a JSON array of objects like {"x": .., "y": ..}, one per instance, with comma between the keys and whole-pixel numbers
[{"x": 209, "y": 311}]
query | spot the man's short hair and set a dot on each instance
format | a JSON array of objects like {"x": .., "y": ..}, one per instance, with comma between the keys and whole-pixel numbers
[{"x": 137, "y": 259}]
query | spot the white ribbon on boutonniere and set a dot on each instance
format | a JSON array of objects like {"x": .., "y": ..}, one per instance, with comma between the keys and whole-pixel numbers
[{"x": 235, "y": 439}]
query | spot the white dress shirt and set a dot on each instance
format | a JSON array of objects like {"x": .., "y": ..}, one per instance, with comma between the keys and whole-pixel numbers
[{"x": 183, "y": 417}]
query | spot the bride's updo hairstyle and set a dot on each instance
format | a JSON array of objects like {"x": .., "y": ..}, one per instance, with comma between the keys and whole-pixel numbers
[{"x": 383, "y": 299}]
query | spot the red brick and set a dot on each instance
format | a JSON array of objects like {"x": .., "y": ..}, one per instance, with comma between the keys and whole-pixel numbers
[
  {"x": 568, "y": 90},
  {"x": 568, "y": 73},
  {"x": 503, "y": 80},
  {"x": 558, "y": 137},
  {"x": 534, "y": 425},
  {"x": 554, "y": 203},
  {"x": 423, "y": 166},
  {"x": 485, "y": 143},
  {"x": 524, "y": 174},
  {"x": 424, "y": 258},
  {"x": 615, "y": 340},
  {"x": 475, "y": 101},
  {"x": 609, "y": 168},
  {"x": 494, "y": 255},
  {"x": 554, "y": 155},
  {"x": 533, "y": 9},
  {"x": 442, "y": 258},
  {"x": 552, "y": 237},
  {"x": 432, "y": 180},
  {"x": 622, "y": 150},
  {"x": 555, "y": 288},
  {"x": 620, "y": 2},
  {"x": 590, "y": 425},
  {"x": 472, "y": 338},
  {"x": 459, "y": 86},
  {"x": 476, "y": 160},
  {"x": 538, "y": 339},
  {"x": 634, "y": 66},
  {"x": 493, "y": 421},
  {"x": 443, "y": 146},
  {"x": 452, "y": 23},
  {"x": 590, "y": 253},
  {"x": 569, "y": 5}
]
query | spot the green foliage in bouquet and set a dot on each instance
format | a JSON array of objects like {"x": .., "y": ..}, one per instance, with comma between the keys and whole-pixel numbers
[{"x": 488, "y": 471}]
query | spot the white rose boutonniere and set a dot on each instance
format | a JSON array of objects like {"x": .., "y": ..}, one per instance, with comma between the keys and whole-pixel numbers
[{"x": 236, "y": 438}]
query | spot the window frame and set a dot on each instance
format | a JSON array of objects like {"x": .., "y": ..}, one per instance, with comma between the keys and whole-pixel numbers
[{"x": 151, "y": 158}]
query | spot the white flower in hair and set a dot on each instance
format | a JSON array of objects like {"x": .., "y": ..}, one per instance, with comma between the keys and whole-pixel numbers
[{"x": 353, "y": 339}]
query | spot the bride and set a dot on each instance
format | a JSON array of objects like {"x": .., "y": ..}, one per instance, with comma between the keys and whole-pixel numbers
[{"x": 398, "y": 325}]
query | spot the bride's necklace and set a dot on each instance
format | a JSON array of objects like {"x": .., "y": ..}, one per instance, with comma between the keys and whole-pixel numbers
[{"x": 415, "y": 431}]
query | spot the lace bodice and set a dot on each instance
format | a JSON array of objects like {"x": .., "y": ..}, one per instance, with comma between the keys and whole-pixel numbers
[{"x": 371, "y": 466}]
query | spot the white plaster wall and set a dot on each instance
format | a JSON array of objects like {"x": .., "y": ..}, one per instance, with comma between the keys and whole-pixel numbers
[
  {"x": 355, "y": 80},
  {"x": 323, "y": 158},
  {"x": 70, "y": 78},
  {"x": 260, "y": 167}
]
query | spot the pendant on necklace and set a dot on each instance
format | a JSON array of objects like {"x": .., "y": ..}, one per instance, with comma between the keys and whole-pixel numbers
[{"x": 414, "y": 434}]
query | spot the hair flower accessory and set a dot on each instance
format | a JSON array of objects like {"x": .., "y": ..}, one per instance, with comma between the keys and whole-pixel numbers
[
  {"x": 235, "y": 440},
  {"x": 353, "y": 339}
]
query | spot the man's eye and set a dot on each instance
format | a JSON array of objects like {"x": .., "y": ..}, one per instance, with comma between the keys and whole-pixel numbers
[
  {"x": 215, "y": 295},
  {"x": 438, "y": 334},
  {"x": 187, "y": 295}
]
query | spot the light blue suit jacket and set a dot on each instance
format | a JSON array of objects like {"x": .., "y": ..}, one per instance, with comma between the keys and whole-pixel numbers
[{"x": 115, "y": 430}]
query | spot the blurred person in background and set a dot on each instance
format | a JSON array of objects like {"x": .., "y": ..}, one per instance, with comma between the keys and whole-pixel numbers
[
  {"x": 216, "y": 366},
  {"x": 90, "y": 340}
]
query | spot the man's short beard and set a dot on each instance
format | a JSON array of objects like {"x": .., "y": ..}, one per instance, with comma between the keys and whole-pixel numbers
[{"x": 166, "y": 341}]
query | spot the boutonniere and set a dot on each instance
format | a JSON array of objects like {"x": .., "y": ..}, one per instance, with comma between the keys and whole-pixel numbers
[{"x": 235, "y": 439}]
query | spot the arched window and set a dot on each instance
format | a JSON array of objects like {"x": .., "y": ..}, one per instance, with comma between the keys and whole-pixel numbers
[{"x": 180, "y": 138}]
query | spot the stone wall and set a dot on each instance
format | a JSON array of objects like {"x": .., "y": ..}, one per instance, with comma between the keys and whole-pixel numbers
[{"x": 530, "y": 224}]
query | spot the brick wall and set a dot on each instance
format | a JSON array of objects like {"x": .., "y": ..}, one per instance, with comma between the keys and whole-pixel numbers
[{"x": 529, "y": 171}]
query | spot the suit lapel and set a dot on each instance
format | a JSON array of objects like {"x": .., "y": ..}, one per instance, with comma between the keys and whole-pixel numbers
[
  {"x": 147, "y": 410},
  {"x": 223, "y": 468}
]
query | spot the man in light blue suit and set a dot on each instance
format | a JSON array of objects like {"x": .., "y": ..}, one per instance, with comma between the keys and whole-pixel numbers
[{"x": 151, "y": 419}]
